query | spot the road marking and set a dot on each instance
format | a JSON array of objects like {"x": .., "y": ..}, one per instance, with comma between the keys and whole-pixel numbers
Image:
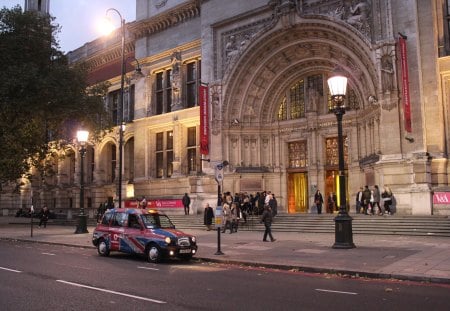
[
  {"x": 335, "y": 291},
  {"x": 11, "y": 270},
  {"x": 147, "y": 268},
  {"x": 50, "y": 254},
  {"x": 111, "y": 291}
]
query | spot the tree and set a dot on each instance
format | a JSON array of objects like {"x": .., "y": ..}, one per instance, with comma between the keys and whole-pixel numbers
[{"x": 43, "y": 100}]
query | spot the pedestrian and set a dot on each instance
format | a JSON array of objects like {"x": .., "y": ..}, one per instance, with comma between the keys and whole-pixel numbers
[
  {"x": 359, "y": 197},
  {"x": 273, "y": 203},
  {"x": 208, "y": 217},
  {"x": 100, "y": 211},
  {"x": 234, "y": 217},
  {"x": 366, "y": 199},
  {"x": 318, "y": 200},
  {"x": 227, "y": 218},
  {"x": 44, "y": 217},
  {"x": 143, "y": 203},
  {"x": 376, "y": 200},
  {"x": 331, "y": 202},
  {"x": 387, "y": 200},
  {"x": 266, "y": 219},
  {"x": 186, "y": 202}
]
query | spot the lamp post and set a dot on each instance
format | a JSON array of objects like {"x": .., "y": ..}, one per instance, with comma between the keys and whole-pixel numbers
[
  {"x": 343, "y": 222},
  {"x": 82, "y": 137},
  {"x": 120, "y": 108}
]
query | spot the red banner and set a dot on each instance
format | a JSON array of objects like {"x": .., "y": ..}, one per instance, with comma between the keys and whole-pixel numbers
[
  {"x": 405, "y": 85},
  {"x": 204, "y": 128},
  {"x": 161, "y": 203},
  {"x": 441, "y": 198}
]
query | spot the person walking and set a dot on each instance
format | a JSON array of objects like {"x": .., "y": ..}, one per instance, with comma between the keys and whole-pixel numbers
[
  {"x": 318, "y": 200},
  {"x": 376, "y": 201},
  {"x": 387, "y": 200},
  {"x": 208, "y": 217},
  {"x": 359, "y": 197},
  {"x": 366, "y": 199},
  {"x": 44, "y": 217},
  {"x": 186, "y": 202},
  {"x": 100, "y": 211},
  {"x": 227, "y": 218},
  {"x": 273, "y": 203},
  {"x": 266, "y": 218}
]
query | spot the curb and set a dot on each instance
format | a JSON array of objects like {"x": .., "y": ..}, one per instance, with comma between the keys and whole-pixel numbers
[
  {"x": 306, "y": 269},
  {"x": 343, "y": 272}
]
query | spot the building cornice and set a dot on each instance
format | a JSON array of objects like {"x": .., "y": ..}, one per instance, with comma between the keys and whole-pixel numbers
[{"x": 171, "y": 18}]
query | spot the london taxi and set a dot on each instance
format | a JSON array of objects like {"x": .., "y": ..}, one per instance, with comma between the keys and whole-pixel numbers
[{"x": 142, "y": 231}]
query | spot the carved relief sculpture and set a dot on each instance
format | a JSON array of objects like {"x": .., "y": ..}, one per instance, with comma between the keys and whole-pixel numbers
[
  {"x": 387, "y": 73},
  {"x": 175, "y": 61}
]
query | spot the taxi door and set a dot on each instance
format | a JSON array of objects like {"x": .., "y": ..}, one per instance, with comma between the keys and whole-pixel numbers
[
  {"x": 133, "y": 238},
  {"x": 116, "y": 231}
]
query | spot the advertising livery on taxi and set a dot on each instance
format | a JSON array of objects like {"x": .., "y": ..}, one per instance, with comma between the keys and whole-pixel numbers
[{"x": 142, "y": 231}]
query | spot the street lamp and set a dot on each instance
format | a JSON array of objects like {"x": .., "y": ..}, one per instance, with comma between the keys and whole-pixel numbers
[
  {"x": 82, "y": 137},
  {"x": 120, "y": 108},
  {"x": 343, "y": 222}
]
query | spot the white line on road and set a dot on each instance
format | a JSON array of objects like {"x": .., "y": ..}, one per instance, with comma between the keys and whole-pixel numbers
[
  {"x": 147, "y": 268},
  {"x": 50, "y": 254},
  {"x": 111, "y": 291},
  {"x": 11, "y": 270},
  {"x": 335, "y": 291}
]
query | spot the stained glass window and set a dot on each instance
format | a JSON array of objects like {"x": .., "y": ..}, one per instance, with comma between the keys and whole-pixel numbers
[{"x": 298, "y": 154}]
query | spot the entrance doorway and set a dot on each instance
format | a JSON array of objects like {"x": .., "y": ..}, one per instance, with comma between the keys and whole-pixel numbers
[
  {"x": 298, "y": 193},
  {"x": 332, "y": 185}
]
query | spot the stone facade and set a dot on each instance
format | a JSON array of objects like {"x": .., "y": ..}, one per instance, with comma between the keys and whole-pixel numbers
[{"x": 266, "y": 64}]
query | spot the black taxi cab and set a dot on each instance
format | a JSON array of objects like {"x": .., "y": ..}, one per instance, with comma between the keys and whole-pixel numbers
[{"x": 142, "y": 231}]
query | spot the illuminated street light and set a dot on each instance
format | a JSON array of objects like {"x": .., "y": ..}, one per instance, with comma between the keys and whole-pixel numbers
[
  {"x": 343, "y": 222},
  {"x": 82, "y": 137}
]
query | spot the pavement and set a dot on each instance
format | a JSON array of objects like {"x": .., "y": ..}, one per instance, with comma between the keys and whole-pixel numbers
[{"x": 413, "y": 258}]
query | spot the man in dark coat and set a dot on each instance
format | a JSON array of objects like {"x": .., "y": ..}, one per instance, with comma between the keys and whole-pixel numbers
[
  {"x": 208, "y": 216},
  {"x": 186, "y": 202},
  {"x": 318, "y": 201},
  {"x": 266, "y": 219}
]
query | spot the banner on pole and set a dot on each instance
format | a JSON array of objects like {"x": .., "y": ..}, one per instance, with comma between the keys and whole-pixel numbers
[
  {"x": 405, "y": 84},
  {"x": 204, "y": 128}
]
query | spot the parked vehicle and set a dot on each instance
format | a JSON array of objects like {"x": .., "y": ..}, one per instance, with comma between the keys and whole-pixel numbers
[{"x": 142, "y": 231}]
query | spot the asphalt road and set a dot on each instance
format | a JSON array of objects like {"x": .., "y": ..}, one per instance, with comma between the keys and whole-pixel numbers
[{"x": 41, "y": 277}]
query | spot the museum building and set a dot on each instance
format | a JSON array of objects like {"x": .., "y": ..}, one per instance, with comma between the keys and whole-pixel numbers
[{"x": 246, "y": 82}]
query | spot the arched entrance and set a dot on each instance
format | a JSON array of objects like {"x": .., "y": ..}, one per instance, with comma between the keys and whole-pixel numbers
[{"x": 278, "y": 89}]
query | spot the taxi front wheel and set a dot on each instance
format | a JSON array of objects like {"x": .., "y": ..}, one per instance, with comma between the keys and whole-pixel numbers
[
  {"x": 102, "y": 248},
  {"x": 154, "y": 253}
]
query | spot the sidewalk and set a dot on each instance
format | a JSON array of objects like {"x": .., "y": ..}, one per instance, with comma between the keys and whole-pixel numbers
[{"x": 399, "y": 257}]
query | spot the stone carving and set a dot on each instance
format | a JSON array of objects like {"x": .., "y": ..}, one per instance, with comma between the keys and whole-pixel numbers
[
  {"x": 175, "y": 61},
  {"x": 387, "y": 73},
  {"x": 160, "y": 3},
  {"x": 359, "y": 14},
  {"x": 215, "y": 90}
]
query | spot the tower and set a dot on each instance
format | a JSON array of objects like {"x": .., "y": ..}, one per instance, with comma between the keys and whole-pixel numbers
[{"x": 42, "y": 6}]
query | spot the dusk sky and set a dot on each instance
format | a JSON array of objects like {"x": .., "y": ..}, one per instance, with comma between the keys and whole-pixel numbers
[{"x": 78, "y": 19}]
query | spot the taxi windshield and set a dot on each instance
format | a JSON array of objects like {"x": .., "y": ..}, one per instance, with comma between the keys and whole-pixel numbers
[{"x": 157, "y": 221}]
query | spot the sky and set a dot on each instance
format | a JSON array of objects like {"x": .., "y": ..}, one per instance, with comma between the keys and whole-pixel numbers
[{"x": 78, "y": 19}]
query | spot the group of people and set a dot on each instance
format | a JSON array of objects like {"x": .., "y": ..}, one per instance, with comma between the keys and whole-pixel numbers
[
  {"x": 331, "y": 202},
  {"x": 238, "y": 207},
  {"x": 368, "y": 201}
]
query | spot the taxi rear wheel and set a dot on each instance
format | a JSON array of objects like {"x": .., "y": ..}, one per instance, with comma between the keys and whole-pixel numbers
[
  {"x": 154, "y": 253},
  {"x": 102, "y": 248}
]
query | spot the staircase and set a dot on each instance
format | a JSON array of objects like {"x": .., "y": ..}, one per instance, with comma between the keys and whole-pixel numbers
[{"x": 313, "y": 223}]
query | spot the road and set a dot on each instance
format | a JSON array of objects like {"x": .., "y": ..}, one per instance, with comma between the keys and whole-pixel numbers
[{"x": 40, "y": 277}]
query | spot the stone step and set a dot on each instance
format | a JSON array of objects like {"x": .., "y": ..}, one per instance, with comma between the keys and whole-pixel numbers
[{"x": 361, "y": 224}]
